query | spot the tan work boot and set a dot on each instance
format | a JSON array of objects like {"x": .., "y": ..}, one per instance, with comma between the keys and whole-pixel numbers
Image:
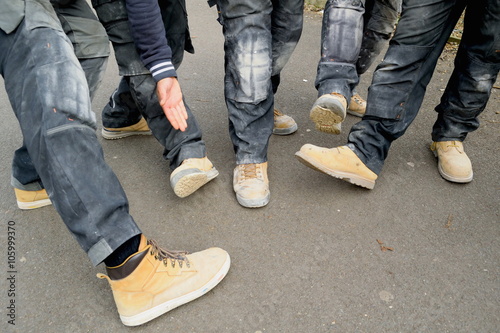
[
  {"x": 340, "y": 162},
  {"x": 140, "y": 128},
  {"x": 357, "y": 106},
  {"x": 453, "y": 163},
  {"x": 283, "y": 124},
  {"x": 192, "y": 174},
  {"x": 31, "y": 199},
  {"x": 328, "y": 112},
  {"x": 154, "y": 281},
  {"x": 251, "y": 185}
]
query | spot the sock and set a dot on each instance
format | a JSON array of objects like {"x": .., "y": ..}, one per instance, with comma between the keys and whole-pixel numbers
[{"x": 123, "y": 252}]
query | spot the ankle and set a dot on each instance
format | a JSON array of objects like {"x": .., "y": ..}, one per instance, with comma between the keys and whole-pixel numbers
[{"x": 123, "y": 252}]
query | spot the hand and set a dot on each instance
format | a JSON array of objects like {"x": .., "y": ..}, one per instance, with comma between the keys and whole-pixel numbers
[{"x": 170, "y": 98}]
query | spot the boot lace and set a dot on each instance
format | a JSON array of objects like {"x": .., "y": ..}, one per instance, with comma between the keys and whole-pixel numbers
[
  {"x": 249, "y": 171},
  {"x": 168, "y": 256},
  {"x": 357, "y": 99},
  {"x": 278, "y": 113}
]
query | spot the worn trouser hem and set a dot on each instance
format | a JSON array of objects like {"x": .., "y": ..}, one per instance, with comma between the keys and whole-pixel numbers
[
  {"x": 101, "y": 250},
  {"x": 34, "y": 186},
  {"x": 251, "y": 160},
  {"x": 195, "y": 149},
  {"x": 374, "y": 168},
  {"x": 345, "y": 80}
]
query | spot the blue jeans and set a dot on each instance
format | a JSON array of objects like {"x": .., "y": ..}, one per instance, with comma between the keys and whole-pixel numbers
[
  {"x": 50, "y": 98},
  {"x": 135, "y": 96},
  {"x": 260, "y": 36},
  {"x": 399, "y": 82},
  {"x": 90, "y": 45},
  {"x": 352, "y": 36}
]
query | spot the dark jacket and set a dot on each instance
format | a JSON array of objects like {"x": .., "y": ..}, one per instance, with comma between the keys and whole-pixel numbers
[{"x": 149, "y": 36}]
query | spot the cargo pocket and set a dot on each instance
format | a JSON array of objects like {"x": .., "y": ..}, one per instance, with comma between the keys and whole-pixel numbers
[{"x": 88, "y": 37}]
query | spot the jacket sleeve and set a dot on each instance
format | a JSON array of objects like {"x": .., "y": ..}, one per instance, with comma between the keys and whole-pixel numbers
[{"x": 149, "y": 35}]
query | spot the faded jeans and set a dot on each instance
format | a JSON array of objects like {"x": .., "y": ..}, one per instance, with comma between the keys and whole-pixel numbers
[
  {"x": 90, "y": 45},
  {"x": 352, "y": 36},
  {"x": 50, "y": 98},
  {"x": 260, "y": 36},
  {"x": 399, "y": 82},
  {"x": 136, "y": 96}
]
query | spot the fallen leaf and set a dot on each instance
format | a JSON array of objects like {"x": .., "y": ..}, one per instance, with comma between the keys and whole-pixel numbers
[
  {"x": 384, "y": 248},
  {"x": 448, "y": 223}
]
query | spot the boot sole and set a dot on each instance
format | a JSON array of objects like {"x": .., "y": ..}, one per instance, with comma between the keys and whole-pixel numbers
[
  {"x": 161, "y": 309},
  {"x": 285, "y": 131},
  {"x": 328, "y": 114},
  {"x": 355, "y": 113},
  {"x": 112, "y": 135},
  {"x": 346, "y": 176},
  {"x": 34, "y": 204},
  {"x": 253, "y": 203},
  {"x": 189, "y": 181}
]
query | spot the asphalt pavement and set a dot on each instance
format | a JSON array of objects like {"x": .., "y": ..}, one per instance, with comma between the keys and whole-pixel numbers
[{"x": 415, "y": 254}]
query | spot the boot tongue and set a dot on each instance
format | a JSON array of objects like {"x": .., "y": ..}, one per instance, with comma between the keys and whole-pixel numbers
[{"x": 125, "y": 269}]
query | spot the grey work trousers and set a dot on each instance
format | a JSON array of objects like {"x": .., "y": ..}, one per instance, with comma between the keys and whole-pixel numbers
[
  {"x": 260, "y": 36},
  {"x": 352, "y": 36},
  {"x": 91, "y": 47},
  {"x": 399, "y": 82},
  {"x": 136, "y": 96},
  {"x": 50, "y": 98}
]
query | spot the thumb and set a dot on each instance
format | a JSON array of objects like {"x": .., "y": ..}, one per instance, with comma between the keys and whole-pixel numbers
[{"x": 161, "y": 97}]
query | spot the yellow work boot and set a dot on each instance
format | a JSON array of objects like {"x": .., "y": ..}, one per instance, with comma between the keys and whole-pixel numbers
[
  {"x": 192, "y": 174},
  {"x": 453, "y": 163},
  {"x": 140, "y": 128},
  {"x": 32, "y": 199},
  {"x": 154, "y": 281},
  {"x": 328, "y": 112},
  {"x": 251, "y": 185},
  {"x": 283, "y": 124},
  {"x": 357, "y": 106},
  {"x": 340, "y": 162}
]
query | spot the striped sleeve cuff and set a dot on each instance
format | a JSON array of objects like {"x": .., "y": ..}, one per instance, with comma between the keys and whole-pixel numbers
[{"x": 162, "y": 69}]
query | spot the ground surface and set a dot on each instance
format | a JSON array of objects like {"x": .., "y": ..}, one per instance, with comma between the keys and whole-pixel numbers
[{"x": 313, "y": 260}]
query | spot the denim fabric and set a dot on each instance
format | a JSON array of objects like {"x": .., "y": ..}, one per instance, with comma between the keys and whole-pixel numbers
[
  {"x": 135, "y": 96},
  {"x": 49, "y": 95},
  {"x": 91, "y": 46},
  {"x": 379, "y": 21},
  {"x": 353, "y": 35},
  {"x": 260, "y": 37},
  {"x": 399, "y": 82}
]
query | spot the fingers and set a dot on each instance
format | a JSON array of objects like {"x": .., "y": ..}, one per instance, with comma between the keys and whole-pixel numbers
[
  {"x": 177, "y": 117},
  {"x": 170, "y": 98},
  {"x": 180, "y": 114},
  {"x": 183, "y": 109}
]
